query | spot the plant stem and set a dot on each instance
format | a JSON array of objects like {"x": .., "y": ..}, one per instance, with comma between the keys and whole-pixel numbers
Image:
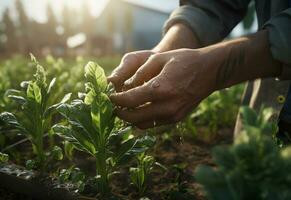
[{"x": 101, "y": 170}]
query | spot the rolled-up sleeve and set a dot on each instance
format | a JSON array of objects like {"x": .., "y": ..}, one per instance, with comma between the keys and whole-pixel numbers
[
  {"x": 211, "y": 21},
  {"x": 279, "y": 28}
]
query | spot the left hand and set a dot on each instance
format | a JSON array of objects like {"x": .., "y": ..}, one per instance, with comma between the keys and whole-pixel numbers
[{"x": 167, "y": 87}]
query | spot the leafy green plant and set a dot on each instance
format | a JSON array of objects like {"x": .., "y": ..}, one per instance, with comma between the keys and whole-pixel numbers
[
  {"x": 139, "y": 175},
  {"x": 260, "y": 120},
  {"x": 91, "y": 128},
  {"x": 218, "y": 110},
  {"x": 36, "y": 116},
  {"x": 254, "y": 167}
]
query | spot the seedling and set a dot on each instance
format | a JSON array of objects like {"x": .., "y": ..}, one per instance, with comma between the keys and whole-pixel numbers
[
  {"x": 92, "y": 128},
  {"x": 139, "y": 175},
  {"x": 35, "y": 118}
]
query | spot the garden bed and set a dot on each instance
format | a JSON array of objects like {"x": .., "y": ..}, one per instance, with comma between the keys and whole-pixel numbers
[{"x": 176, "y": 183}]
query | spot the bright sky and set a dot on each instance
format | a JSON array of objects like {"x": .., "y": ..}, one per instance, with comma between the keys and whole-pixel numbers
[{"x": 36, "y": 8}]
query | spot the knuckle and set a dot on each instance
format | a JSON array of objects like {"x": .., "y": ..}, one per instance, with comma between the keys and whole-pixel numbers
[
  {"x": 129, "y": 57},
  {"x": 155, "y": 57},
  {"x": 139, "y": 73}
]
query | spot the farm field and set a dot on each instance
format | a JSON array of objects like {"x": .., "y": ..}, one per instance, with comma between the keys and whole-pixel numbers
[{"x": 58, "y": 123}]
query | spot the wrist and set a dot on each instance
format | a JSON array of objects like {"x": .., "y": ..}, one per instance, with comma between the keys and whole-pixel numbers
[
  {"x": 245, "y": 59},
  {"x": 178, "y": 36}
]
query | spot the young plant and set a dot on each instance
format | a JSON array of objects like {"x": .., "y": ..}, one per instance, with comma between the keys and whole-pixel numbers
[
  {"x": 218, "y": 110},
  {"x": 139, "y": 175},
  {"x": 74, "y": 176},
  {"x": 35, "y": 119},
  {"x": 254, "y": 167},
  {"x": 92, "y": 128},
  {"x": 3, "y": 158}
]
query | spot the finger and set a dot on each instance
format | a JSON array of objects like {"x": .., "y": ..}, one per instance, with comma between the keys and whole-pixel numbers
[
  {"x": 146, "y": 72},
  {"x": 134, "y": 97},
  {"x": 148, "y": 112},
  {"x": 128, "y": 66}
]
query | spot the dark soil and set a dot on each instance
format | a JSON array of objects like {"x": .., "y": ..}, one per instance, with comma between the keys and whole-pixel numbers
[{"x": 179, "y": 154}]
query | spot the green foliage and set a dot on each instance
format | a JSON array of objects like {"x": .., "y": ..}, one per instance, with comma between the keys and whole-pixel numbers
[
  {"x": 218, "y": 110},
  {"x": 91, "y": 128},
  {"x": 36, "y": 112},
  {"x": 3, "y": 158},
  {"x": 254, "y": 167},
  {"x": 72, "y": 175},
  {"x": 139, "y": 175},
  {"x": 260, "y": 120}
]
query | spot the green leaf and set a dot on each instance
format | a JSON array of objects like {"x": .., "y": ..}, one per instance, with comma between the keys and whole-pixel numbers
[
  {"x": 50, "y": 110},
  {"x": 40, "y": 77},
  {"x": 34, "y": 92},
  {"x": 132, "y": 147},
  {"x": 96, "y": 76},
  {"x": 68, "y": 149},
  {"x": 9, "y": 120},
  {"x": 101, "y": 113},
  {"x": 89, "y": 97},
  {"x": 80, "y": 142},
  {"x": 19, "y": 99},
  {"x": 57, "y": 153},
  {"x": 4, "y": 157},
  {"x": 78, "y": 115},
  {"x": 66, "y": 98},
  {"x": 31, "y": 164},
  {"x": 52, "y": 83},
  {"x": 249, "y": 116}
]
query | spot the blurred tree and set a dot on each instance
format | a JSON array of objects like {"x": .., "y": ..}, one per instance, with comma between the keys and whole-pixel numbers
[
  {"x": 51, "y": 26},
  {"x": 23, "y": 32},
  {"x": 128, "y": 29},
  {"x": 67, "y": 21},
  {"x": 10, "y": 44},
  {"x": 87, "y": 25}
]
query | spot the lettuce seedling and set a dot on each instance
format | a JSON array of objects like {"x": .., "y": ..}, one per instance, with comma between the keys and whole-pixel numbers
[
  {"x": 92, "y": 128},
  {"x": 35, "y": 118}
]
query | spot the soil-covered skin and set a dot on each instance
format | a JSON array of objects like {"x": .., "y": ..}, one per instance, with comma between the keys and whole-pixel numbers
[{"x": 179, "y": 154}]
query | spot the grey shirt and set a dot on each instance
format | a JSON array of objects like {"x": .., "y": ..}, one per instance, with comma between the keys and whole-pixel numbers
[{"x": 212, "y": 20}]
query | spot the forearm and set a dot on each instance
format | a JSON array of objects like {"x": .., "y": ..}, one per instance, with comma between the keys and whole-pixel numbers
[
  {"x": 178, "y": 36},
  {"x": 245, "y": 59}
]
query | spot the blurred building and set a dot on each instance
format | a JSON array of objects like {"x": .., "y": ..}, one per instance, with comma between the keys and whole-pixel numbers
[{"x": 133, "y": 24}]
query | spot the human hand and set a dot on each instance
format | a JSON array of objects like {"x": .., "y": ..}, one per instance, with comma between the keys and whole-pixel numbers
[
  {"x": 129, "y": 64},
  {"x": 178, "y": 36},
  {"x": 167, "y": 87}
]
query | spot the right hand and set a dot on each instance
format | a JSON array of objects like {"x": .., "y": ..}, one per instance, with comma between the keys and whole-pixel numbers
[{"x": 129, "y": 64}]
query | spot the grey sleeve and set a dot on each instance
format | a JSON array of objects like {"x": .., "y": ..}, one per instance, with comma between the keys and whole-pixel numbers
[
  {"x": 279, "y": 28},
  {"x": 210, "y": 20}
]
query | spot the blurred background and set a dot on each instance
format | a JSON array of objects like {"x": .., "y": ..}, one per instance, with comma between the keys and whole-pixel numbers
[{"x": 87, "y": 27}]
